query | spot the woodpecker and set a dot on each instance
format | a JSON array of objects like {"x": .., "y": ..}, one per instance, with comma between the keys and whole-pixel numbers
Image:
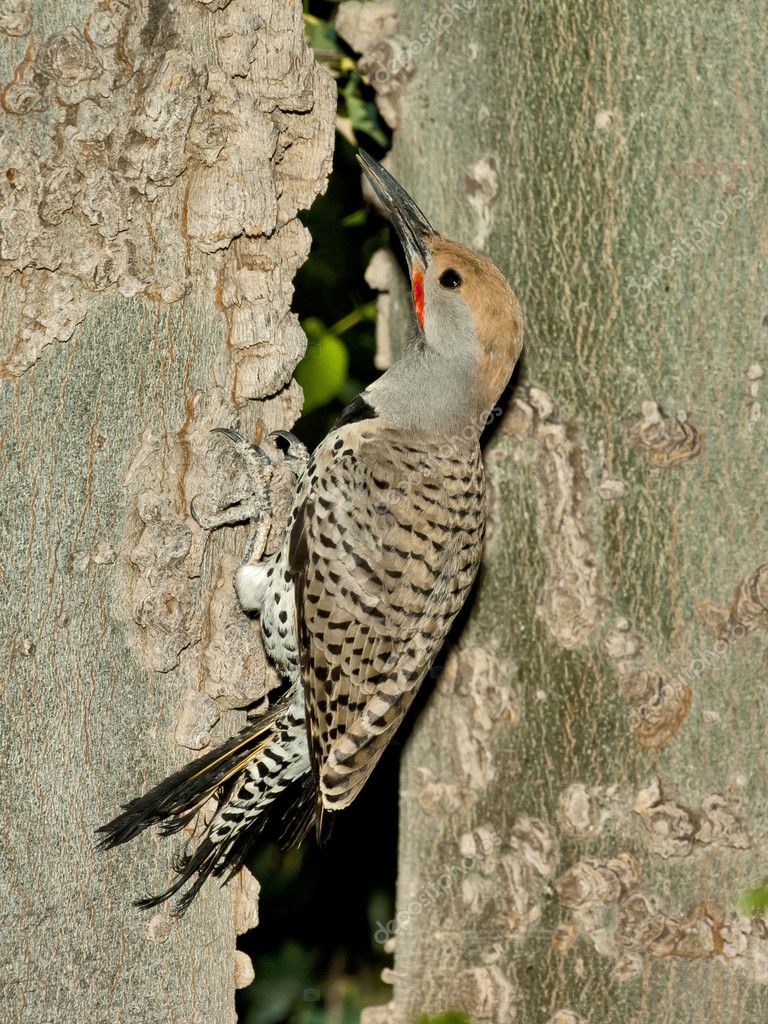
[{"x": 382, "y": 546}]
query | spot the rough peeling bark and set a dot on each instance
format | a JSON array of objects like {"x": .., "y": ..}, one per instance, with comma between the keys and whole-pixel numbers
[
  {"x": 585, "y": 794},
  {"x": 153, "y": 157}
]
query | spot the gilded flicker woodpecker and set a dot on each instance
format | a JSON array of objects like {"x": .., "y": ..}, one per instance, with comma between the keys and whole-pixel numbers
[{"x": 382, "y": 546}]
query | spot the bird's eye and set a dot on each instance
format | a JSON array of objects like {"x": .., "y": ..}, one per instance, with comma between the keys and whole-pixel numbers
[{"x": 451, "y": 278}]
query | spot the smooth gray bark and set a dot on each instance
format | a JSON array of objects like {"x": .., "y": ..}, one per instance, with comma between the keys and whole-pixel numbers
[
  {"x": 153, "y": 157},
  {"x": 585, "y": 795}
]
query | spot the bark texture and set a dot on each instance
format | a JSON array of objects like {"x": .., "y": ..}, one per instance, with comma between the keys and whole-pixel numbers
[
  {"x": 585, "y": 795},
  {"x": 153, "y": 157}
]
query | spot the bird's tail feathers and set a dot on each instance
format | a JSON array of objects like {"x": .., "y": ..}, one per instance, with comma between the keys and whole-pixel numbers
[{"x": 174, "y": 803}]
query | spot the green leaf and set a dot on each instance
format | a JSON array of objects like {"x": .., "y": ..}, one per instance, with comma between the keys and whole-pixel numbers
[
  {"x": 753, "y": 902},
  {"x": 321, "y": 35},
  {"x": 361, "y": 112},
  {"x": 361, "y": 314},
  {"x": 354, "y": 220},
  {"x": 323, "y": 370}
]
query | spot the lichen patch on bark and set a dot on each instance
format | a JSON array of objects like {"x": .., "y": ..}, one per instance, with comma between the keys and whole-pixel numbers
[
  {"x": 659, "y": 699},
  {"x": 571, "y": 602},
  {"x": 672, "y": 830},
  {"x": 473, "y": 675},
  {"x": 747, "y": 612},
  {"x": 665, "y": 441},
  {"x": 626, "y": 924}
]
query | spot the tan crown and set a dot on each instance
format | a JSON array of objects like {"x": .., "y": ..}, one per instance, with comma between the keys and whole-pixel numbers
[{"x": 495, "y": 310}]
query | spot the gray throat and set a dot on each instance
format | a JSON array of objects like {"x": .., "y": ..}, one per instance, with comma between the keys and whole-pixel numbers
[{"x": 427, "y": 393}]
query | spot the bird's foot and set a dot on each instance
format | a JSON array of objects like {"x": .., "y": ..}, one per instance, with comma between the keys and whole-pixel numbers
[
  {"x": 295, "y": 454},
  {"x": 257, "y": 506}
]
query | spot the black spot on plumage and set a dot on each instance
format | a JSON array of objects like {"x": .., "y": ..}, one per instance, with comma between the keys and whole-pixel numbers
[
  {"x": 347, "y": 757},
  {"x": 375, "y": 720},
  {"x": 389, "y": 697},
  {"x": 373, "y": 610},
  {"x": 394, "y": 549}
]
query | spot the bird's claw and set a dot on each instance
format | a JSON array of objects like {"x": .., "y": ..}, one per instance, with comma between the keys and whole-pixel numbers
[
  {"x": 248, "y": 450},
  {"x": 293, "y": 451},
  {"x": 225, "y": 517},
  {"x": 288, "y": 449},
  {"x": 195, "y": 515},
  {"x": 258, "y": 462}
]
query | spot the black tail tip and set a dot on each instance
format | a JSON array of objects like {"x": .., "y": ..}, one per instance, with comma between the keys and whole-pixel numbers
[
  {"x": 106, "y": 837},
  {"x": 120, "y": 830},
  {"x": 177, "y": 911}
]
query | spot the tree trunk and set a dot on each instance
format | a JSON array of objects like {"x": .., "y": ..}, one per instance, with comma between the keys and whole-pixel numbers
[
  {"x": 584, "y": 797},
  {"x": 153, "y": 156}
]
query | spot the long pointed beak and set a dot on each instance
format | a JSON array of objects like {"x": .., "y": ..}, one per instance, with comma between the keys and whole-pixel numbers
[{"x": 411, "y": 225}]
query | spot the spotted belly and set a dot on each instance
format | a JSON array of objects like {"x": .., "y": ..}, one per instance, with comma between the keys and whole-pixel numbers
[{"x": 267, "y": 588}]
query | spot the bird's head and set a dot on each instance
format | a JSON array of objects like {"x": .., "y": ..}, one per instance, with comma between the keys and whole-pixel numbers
[{"x": 467, "y": 314}]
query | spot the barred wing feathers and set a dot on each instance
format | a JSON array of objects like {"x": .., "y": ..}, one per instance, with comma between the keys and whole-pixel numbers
[{"x": 385, "y": 546}]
